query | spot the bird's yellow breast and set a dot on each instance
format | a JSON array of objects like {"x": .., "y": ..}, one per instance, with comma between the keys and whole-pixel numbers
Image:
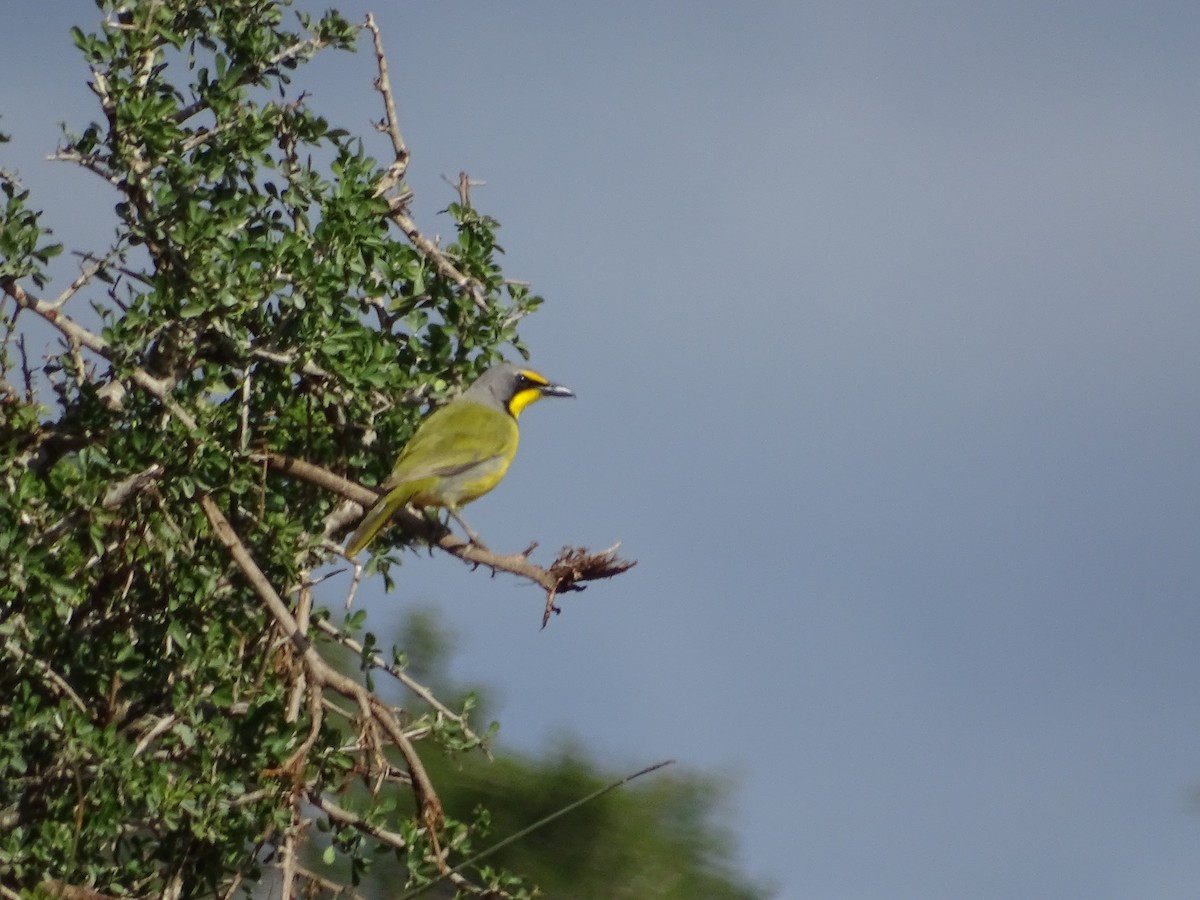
[{"x": 462, "y": 487}]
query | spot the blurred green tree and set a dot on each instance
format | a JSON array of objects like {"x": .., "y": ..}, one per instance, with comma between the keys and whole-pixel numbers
[{"x": 658, "y": 838}]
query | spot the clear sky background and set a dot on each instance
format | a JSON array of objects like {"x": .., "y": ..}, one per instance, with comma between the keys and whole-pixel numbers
[{"x": 884, "y": 324}]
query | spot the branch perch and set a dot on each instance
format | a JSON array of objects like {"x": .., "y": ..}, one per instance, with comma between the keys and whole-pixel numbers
[{"x": 568, "y": 572}]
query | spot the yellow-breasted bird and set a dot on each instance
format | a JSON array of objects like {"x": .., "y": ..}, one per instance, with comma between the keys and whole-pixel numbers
[{"x": 461, "y": 451}]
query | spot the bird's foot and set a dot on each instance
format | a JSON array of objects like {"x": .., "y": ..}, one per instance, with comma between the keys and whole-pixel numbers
[{"x": 472, "y": 538}]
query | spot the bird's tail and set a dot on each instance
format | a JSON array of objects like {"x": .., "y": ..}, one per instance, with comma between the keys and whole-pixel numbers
[{"x": 377, "y": 516}]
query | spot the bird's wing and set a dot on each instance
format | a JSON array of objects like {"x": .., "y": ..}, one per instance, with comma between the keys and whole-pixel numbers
[{"x": 452, "y": 440}]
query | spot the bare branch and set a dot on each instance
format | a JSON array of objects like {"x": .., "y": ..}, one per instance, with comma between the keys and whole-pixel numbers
[
  {"x": 353, "y": 820},
  {"x": 463, "y": 188},
  {"x": 134, "y": 484},
  {"x": 92, "y": 164},
  {"x": 60, "y": 889},
  {"x": 308, "y": 367},
  {"x": 162, "y": 726},
  {"x": 574, "y": 566},
  {"x": 320, "y": 673},
  {"x": 383, "y": 84},
  {"x": 288, "y": 866},
  {"x": 57, "y": 684},
  {"x": 441, "y": 262},
  {"x": 75, "y": 332},
  {"x": 395, "y": 174},
  {"x": 324, "y": 883},
  {"x": 86, "y": 275}
]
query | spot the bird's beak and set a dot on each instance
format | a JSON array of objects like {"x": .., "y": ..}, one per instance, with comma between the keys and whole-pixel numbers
[{"x": 556, "y": 390}]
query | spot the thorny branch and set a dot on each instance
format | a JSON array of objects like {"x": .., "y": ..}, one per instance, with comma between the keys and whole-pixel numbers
[
  {"x": 391, "y": 122},
  {"x": 398, "y": 203},
  {"x": 568, "y": 572}
]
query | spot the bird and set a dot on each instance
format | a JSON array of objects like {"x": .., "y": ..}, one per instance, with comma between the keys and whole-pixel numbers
[{"x": 459, "y": 451}]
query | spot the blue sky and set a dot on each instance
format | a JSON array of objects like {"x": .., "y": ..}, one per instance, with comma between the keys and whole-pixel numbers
[{"x": 883, "y": 322}]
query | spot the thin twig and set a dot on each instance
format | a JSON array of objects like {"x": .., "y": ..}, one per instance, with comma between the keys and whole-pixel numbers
[
  {"x": 60, "y": 890},
  {"x": 244, "y": 412},
  {"x": 308, "y": 367},
  {"x": 309, "y": 46},
  {"x": 85, "y": 276},
  {"x": 58, "y": 684},
  {"x": 324, "y": 883},
  {"x": 26, "y": 369},
  {"x": 404, "y": 678},
  {"x": 299, "y": 686}
]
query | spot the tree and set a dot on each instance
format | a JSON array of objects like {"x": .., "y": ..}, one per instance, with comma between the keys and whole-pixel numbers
[{"x": 174, "y": 720}]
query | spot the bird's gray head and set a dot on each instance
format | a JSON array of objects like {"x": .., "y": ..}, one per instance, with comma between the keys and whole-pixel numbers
[{"x": 512, "y": 388}]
